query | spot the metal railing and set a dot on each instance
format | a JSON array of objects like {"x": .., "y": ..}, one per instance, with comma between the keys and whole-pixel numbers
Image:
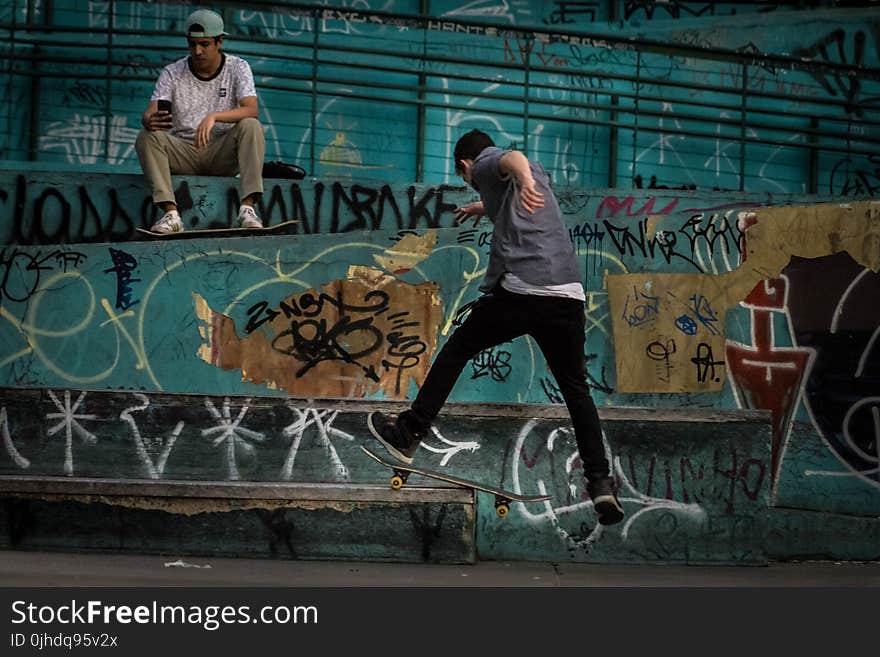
[{"x": 403, "y": 76}]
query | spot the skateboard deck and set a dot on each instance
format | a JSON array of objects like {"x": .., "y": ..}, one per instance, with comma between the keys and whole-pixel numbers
[
  {"x": 219, "y": 232},
  {"x": 502, "y": 497}
]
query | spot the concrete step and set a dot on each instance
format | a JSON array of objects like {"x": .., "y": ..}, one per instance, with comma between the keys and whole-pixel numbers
[
  {"x": 286, "y": 477},
  {"x": 221, "y": 518}
]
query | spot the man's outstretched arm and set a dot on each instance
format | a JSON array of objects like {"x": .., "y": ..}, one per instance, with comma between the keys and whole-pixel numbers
[{"x": 515, "y": 164}]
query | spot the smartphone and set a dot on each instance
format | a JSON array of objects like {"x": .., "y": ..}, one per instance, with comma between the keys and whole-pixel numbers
[{"x": 165, "y": 106}]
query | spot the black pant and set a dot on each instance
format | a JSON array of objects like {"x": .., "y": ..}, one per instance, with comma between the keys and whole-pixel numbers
[{"x": 557, "y": 325}]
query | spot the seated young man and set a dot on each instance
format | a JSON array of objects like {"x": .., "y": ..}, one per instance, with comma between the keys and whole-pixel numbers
[{"x": 212, "y": 128}]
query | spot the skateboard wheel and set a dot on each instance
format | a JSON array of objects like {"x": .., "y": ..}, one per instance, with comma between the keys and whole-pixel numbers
[
  {"x": 396, "y": 482},
  {"x": 502, "y": 510}
]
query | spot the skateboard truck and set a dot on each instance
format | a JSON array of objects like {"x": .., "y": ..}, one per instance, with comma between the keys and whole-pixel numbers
[{"x": 399, "y": 478}]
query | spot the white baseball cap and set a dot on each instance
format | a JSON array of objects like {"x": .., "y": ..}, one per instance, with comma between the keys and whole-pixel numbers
[{"x": 204, "y": 23}]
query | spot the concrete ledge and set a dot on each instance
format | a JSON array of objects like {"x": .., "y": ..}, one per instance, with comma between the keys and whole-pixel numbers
[
  {"x": 237, "y": 490},
  {"x": 695, "y": 484}
]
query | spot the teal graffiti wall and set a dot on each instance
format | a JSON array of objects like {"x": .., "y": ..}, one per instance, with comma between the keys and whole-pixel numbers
[
  {"x": 693, "y": 112},
  {"x": 726, "y": 96},
  {"x": 83, "y": 312}
]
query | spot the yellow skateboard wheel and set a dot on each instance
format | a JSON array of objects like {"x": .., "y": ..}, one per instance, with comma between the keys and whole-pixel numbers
[
  {"x": 396, "y": 482},
  {"x": 502, "y": 510}
]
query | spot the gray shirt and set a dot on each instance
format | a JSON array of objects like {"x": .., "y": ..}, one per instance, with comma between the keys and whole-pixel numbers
[
  {"x": 536, "y": 248},
  {"x": 193, "y": 98}
]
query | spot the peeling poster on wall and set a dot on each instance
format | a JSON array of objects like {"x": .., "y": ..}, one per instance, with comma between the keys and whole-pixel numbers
[
  {"x": 352, "y": 338},
  {"x": 668, "y": 332}
]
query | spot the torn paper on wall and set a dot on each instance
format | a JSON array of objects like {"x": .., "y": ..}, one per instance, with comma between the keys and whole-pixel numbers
[{"x": 352, "y": 338}]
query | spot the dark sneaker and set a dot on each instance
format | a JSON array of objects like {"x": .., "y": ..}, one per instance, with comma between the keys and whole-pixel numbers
[
  {"x": 399, "y": 442},
  {"x": 605, "y": 501}
]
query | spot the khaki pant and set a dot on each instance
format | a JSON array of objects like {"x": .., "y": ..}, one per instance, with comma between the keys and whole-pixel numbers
[{"x": 241, "y": 149}]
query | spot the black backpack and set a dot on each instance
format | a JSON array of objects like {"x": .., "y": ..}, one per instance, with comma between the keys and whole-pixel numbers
[{"x": 283, "y": 170}]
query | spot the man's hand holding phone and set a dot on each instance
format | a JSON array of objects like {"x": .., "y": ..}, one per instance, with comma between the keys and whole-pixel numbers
[{"x": 161, "y": 118}]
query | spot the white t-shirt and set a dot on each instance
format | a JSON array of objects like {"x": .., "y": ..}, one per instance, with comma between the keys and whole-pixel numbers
[
  {"x": 566, "y": 290},
  {"x": 193, "y": 98}
]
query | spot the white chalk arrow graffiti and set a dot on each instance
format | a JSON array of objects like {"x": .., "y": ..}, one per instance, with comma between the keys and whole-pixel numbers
[
  {"x": 17, "y": 458},
  {"x": 295, "y": 430},
  {"x": 452, "y": 449},
  {"x": 234, "y": 435},
  {"x": 70, "y": 424},
  {"x": 145, "y": 446}
]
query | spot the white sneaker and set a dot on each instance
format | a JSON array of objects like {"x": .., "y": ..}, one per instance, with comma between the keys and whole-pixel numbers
[
  {"x": 247, "y": 218},
  {"x": 169, "y": 223}
]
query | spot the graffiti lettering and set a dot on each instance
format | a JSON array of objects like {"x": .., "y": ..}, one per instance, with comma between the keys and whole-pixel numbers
[
  {"x": 361, "y": 205},
  {"x": 705, "y": 363},
  {"x": 741, "y": 475},
  {"x": 123, "y": 265},
  {"x": 466, "y": 236},
  {"x": 14, "y": 454},
  {"x": 718, "y": 482},
  {"x": 70, "y": 423},
  {"x": 51, "y": 220},
  {"x": 637, "y": 183},
  {"x": 51, "y": 217},
  {"x": 849, "y": 179},
  {"x": 406, "y": 348},
  {"x": 640, "y": 309},
  {"x": 825, "y": 49},
  {"x": 565, "y": 10},
  {"x": 139, "y": 65},
  {"x": 308, "y": 305},
  {"x": 672, "y": 9},
  {"x": 716, "y": 231},
  {"x": 588, "y": 234},
  {"x": 613, "y": 206},
  {"x": 490, "y": 362},
  {"x": 369, "y": 208},
  {"x": 554, "y": 393},
  {"x": 571, "y": 203},
  {"x": 83, "y": 94},
  {"x": 660, "y": 352},
  {"x": 699, "y": 311},
  {"x": 686, "y": 325},
  {"x": 601, "y": 384},
  {"x": 628, "y": 243},
  {"x": 312, "y": 339},
  {"x": 703, "y": 310},
  {"x": 20, "y": 271},
  {"x": 311, "y": 342},
  {"x": 232, "y": 436}
]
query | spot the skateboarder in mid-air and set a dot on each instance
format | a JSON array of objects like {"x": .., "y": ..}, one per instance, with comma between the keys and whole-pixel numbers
[{"x": 532, "y": 287}]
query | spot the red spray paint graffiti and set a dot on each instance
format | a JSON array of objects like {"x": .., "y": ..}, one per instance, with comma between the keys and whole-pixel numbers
[{"x": 763, "y": 375}]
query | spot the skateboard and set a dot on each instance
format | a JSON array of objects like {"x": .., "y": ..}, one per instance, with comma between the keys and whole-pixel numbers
[
  {"x": 219, "y": 232},
  {"x": 503, "y": 498}
]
